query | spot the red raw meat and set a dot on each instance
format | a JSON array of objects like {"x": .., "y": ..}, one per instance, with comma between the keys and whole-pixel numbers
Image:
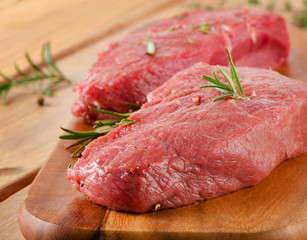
[
  {"x": 185, "y": 148},
  {"x": 123, "y": 72}
]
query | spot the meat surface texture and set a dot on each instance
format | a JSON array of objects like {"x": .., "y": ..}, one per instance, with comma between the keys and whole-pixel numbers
[
  {"x": 123, "y": 72},
  {"x": 185, "y": 148}
]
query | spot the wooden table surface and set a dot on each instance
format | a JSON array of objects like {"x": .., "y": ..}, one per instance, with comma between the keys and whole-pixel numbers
[{"x": 77, "y": 29}]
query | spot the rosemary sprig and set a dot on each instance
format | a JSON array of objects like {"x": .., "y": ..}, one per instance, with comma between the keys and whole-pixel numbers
[
  {"x": 205, "y": 28},
  {"x": 101, "y": 128},
  {"x": 171, "y": 28},
  {"x": 52, "y": 74},
  {"x": 233, "y": 80}
]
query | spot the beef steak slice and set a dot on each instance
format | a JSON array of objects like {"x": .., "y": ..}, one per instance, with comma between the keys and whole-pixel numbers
[
  {"x": 185, "y": 148},
  {"x": 123, "y": 72}
]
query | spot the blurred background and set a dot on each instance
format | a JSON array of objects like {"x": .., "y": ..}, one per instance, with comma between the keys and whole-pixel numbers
[{"x": 73, "y": 24}]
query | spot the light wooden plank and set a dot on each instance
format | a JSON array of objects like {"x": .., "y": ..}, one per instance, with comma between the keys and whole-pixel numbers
[
  {"x": 9, "y": 216},
  {"x": 69, "y": 24}
]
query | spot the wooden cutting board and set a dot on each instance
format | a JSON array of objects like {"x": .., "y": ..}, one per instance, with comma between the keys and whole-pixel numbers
[{"x": 276, "y": 208}]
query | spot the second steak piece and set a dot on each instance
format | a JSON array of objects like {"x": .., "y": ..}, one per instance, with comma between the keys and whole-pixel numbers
[{"x": 124, "y": 73}]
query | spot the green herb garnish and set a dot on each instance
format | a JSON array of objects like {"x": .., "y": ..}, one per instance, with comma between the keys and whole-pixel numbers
[
  {"x": 179, "y": 16},
  {"x": 48, "y": 78},
  {"x": 171, "y": 28},
  {"x": 209, "y": 8},
  {"x": 115, "y": 114},
  {"x": 300, "y": 18},
  {"x": 150, "y": 47},
  {"x": 189, "y": 41},
  {"x": 255, "y": 2},
  {"x": 126, "y": 121},
  {"x": 133, "y": 104},
  {"x": 288, "y": 6},
  {"x": 205, "y": 28},
  {"x": 233, "y": 80},
  {"x": 270, "y": 6},
  {"x": 196, "y": 5},
  {"x": 101, "y": 128}
]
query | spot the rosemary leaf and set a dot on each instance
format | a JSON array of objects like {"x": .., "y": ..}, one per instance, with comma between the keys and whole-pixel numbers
[
  {"x": 120, "y": 115},
  {"x": 171, "y": 28},
  {"x": 103, "y": 129},
  {"x": 300, "y": 18},
  {"x": 179, "y": 16},
  {"x": 78, "y": 150},
  {"x": 125, "y": 122},
  {"x": 133, "y": 104},
  {"x": 205, "y": 28},
  {"x": 3, "y": 93},
  {"x": 33, "y": 67},
  {"x": 255, "y": 2},
  {"x": 109, "y": 122},
  {"x": 78, "y": 135},
  {"x": 270, "y": 6},
  {"x": 48, "y": 61},
  {"x": 19, "y": 71},
  {"x": 234, "y": 73},
  {"x": 7, "y": 78},
  {"x": 189, "y": 41},
  {"x": 209, "y": 8},
  {"x": 230, "y": 80},
  {"x": 223, "y": 96},
  {"x": 78, "y": 142},
  {"x": 196, "y": 5},
  {"x": 219, "y": 88},
  {"x": 288, "y": 6}
]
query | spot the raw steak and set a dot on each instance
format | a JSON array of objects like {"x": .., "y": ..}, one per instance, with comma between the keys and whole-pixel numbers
[
  {"x": 123, "y": 72},
  {"x": 185, "y": 148}
]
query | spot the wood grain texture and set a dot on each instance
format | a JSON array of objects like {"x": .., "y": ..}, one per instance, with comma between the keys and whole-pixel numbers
[
  {"x": 17, "y": 185},
  {"x": 276, "y": 208},
  {"x": 9, "y": 229},
  {"x": 69, "y": 25}
]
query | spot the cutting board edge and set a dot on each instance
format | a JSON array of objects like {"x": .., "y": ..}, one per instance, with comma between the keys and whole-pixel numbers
[{"x": 34, "y": 228}]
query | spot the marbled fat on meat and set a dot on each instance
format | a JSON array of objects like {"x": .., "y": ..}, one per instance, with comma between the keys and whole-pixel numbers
[
  {"x": 123, "y": 72},
  {"x": 185, "y": 148}
]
